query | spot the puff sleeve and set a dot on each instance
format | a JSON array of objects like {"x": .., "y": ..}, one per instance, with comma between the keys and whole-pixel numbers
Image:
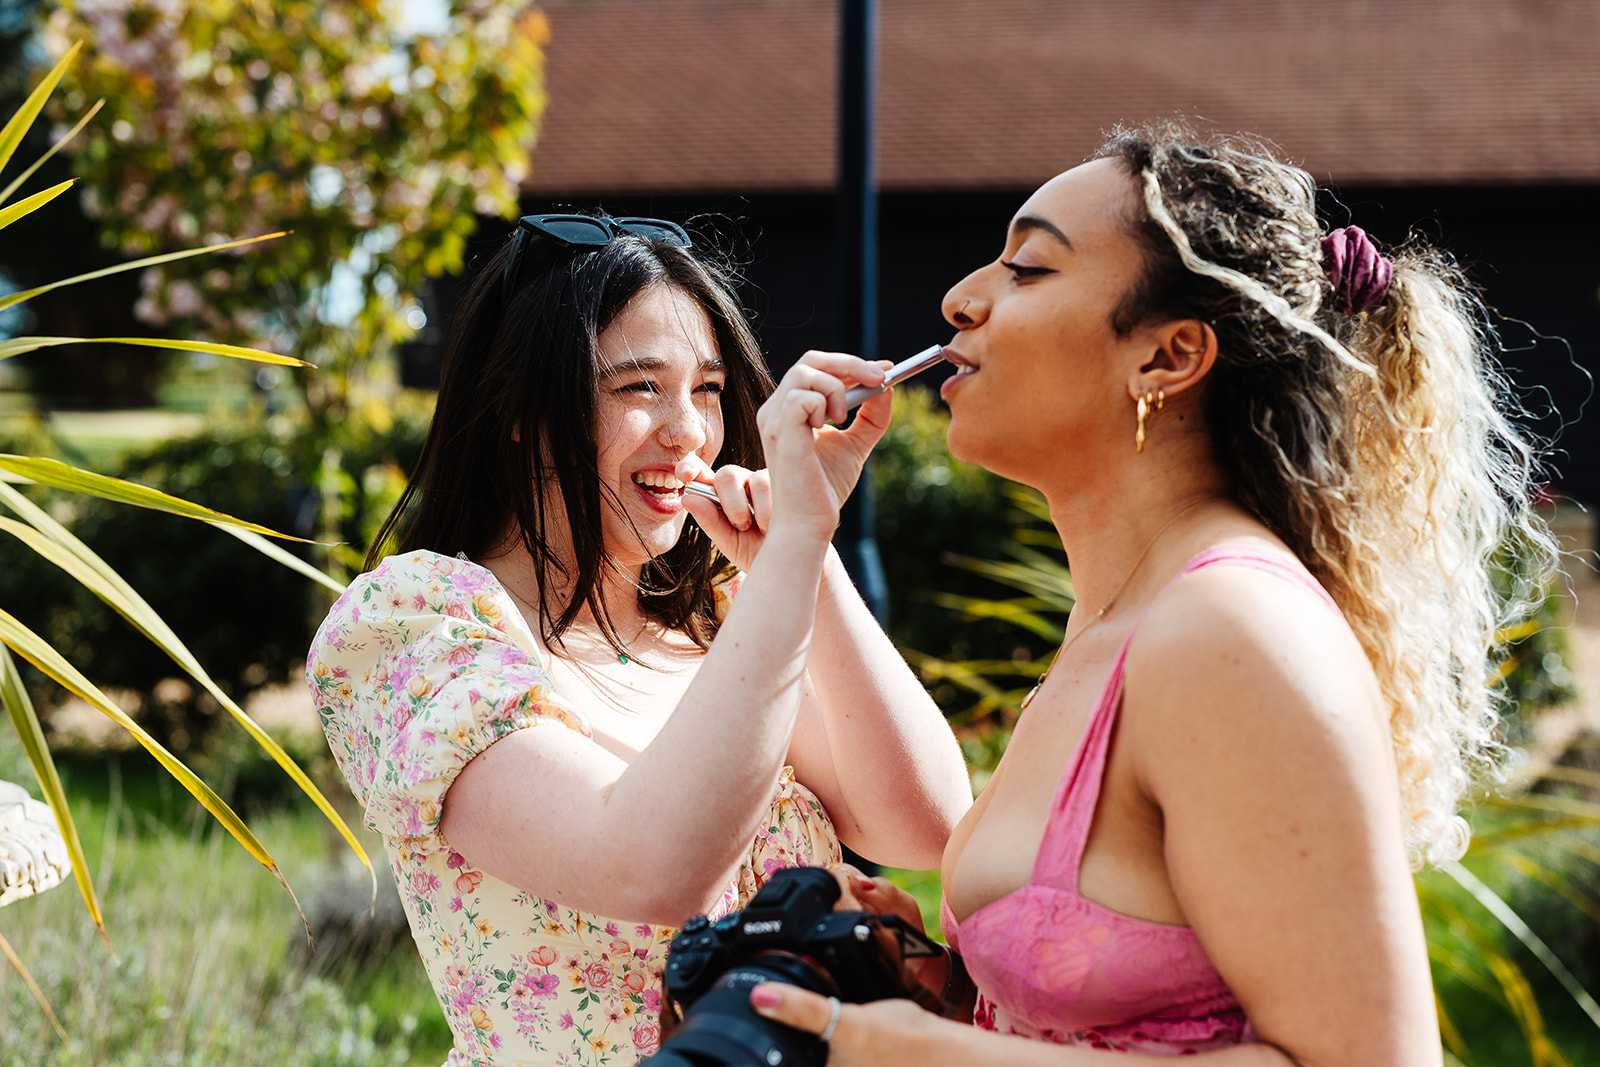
[{"x": 422, "y": 664}]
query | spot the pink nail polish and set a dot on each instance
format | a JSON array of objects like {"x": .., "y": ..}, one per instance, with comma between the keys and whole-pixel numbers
[{"x": 764, "y": 996}]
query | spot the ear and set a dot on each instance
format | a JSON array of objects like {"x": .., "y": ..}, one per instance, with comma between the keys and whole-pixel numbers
[{"x": 1182, "y": 353}]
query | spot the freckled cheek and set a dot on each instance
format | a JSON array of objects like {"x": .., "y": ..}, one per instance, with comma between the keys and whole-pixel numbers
[
  {"x": 618, "y": 433},
  {"x": 713, "y": 446}
]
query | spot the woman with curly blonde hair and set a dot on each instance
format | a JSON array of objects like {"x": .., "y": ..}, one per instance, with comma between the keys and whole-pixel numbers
[{"x": 1281, "y": 467}]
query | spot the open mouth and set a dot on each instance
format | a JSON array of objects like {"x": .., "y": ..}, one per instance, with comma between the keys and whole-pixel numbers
[
  {"x": 663, "y": 485},
  {"x": 957, "y": 360},
  {"x": 964, "y": 369}
]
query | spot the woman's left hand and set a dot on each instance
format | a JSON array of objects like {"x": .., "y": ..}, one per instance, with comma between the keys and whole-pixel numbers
[
  {"x": 880, "y": 1034},
  {"x": 737, "y": 522}
]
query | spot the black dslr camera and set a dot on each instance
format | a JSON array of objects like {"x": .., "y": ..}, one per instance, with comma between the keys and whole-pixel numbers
[{"x": 791, "y": 934}]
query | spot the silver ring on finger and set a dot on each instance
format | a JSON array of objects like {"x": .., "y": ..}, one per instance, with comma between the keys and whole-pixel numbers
[{"x": 835, "y": 1009}]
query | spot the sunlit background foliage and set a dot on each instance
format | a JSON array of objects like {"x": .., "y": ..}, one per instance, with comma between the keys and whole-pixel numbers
[{"x": 377, "y": 132}]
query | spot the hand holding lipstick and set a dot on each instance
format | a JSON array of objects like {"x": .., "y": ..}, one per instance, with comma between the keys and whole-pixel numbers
[{"x": 745, "y": 497}]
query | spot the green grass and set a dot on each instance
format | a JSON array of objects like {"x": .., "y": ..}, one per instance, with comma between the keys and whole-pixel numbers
[{"x": 209, "y": 961}]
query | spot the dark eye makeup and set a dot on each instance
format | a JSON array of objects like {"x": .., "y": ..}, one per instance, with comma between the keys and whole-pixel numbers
[{"x": 1020, "y": 271}]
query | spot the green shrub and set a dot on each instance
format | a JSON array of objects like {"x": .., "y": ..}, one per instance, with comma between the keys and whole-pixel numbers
[
  {"x": 932, "y": 509},
  {"x": 247, "y": 618}
]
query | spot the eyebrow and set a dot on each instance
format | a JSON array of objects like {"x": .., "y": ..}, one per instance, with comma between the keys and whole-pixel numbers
[
  {"x": 652, "y": 364},
  {"x": 1023, "y": 223}
]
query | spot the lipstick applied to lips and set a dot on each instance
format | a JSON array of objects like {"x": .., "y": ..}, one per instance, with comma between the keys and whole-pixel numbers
[
  {"x": 859, "y": 394},
  {"x": 896, "y": 374}
]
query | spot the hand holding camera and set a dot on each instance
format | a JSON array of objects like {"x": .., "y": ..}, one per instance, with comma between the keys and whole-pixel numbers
[{"x": 791, "y": 935}]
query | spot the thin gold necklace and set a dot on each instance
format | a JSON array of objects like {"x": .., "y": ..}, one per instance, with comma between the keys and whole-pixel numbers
[{"x": 1107, "y": 606}]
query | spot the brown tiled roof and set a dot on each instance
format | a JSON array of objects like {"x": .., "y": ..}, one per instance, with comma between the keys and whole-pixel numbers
[{"x": 739, "y": 95}]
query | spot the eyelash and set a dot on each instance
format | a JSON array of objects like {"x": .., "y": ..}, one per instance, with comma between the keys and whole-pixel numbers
[
  {"x": 1020, "y": 272},
  {"x": 650, "y": 387}
]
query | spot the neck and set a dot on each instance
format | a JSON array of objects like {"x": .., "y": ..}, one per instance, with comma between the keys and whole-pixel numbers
[
  {"x": 617, "y": 589},
  {"x": 1114, "y": 526}
]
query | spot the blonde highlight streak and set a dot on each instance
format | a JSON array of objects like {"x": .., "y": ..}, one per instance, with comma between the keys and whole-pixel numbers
[
  {"x": 1275, "y": 305},
  {"x": 1401, "y": 479}
]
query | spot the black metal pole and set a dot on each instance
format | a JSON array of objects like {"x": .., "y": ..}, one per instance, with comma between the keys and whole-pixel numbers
[{"x": 858, "y": 267}]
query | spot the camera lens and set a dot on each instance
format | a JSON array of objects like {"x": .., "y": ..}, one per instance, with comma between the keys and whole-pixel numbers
[{"x": 723, "y": 1030}]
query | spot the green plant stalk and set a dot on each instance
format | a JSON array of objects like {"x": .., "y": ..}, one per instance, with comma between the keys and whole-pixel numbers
[
  {"x": 16, "y": 183},
  {"x": 1513, "y": 922},
  {"x": 53, "y": 472},
  {"x": 31, "y": 733},
  {"x": 11, "y": 135},
  {"x": 56, "y": 544},
  {"x": 37, "y": 651},
  {"x": 33, "y": 987}
]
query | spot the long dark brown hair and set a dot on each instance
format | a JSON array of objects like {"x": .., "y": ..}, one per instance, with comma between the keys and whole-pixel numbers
[{"x": 516, "y": 414}]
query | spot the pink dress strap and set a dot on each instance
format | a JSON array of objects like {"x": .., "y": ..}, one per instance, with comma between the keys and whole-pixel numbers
[
  {"x": 1073, "y": 807},
  {"x": 1052, "y": 964}
]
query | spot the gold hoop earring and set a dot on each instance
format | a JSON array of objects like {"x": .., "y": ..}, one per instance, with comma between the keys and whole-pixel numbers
[{"x": 1150, "y": 401}]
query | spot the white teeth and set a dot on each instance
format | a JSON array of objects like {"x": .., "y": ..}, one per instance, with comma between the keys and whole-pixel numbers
[
  {"x": 658, "y": 480},
  {"x": 965, "y": 368}
]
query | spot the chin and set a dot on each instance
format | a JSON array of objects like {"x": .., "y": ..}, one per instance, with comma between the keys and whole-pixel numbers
[
  {"x": 1007, "y": 456},
  {"x": 969, "y": 447}
]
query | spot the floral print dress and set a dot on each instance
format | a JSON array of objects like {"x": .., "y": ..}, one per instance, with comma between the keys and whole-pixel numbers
[{"x": 421, "y": 665}]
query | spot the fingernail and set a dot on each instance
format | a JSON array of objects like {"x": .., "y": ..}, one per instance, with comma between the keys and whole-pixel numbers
[
  {"x": 765, "y": 996},
  {"x": 863, "y": 883}
]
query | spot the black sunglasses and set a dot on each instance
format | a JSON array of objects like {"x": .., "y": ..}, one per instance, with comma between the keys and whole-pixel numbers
[{"x": 587, "y": 231}]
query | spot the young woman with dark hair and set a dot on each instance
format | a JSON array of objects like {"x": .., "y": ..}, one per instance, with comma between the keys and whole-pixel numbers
[
  {"x": 1281, "y": 467},
  {"x": 546, "y": 577}
]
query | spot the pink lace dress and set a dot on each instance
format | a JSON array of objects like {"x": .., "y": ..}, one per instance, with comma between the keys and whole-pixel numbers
[{"x": 1053, "y": 965}]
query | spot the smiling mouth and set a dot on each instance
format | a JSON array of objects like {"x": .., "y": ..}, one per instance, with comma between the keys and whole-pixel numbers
[{"x": 662, "y": 484}]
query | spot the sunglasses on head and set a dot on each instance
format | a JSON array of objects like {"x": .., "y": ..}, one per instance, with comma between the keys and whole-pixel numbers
[{"x": 587, "y": 231}]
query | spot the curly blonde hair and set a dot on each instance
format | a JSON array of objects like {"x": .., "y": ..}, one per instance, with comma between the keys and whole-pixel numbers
[{"x": 1379, "y": 446}]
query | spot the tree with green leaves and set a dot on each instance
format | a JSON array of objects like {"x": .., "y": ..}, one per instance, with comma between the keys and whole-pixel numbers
[
  {"x": 375, "y": 138},
  {"x": 52, "y": 543}
]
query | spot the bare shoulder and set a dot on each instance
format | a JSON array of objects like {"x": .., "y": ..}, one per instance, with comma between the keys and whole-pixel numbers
[{"x": 1242, "y": 665}]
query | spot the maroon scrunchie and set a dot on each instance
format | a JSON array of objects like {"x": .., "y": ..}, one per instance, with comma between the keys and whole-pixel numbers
[{"x": 1359, "y": 273}]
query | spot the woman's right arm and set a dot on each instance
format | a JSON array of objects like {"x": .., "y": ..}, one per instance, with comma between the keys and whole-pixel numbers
[{"x": 657, "y": 839}]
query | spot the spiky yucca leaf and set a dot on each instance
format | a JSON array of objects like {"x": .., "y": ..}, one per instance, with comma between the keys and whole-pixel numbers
[
  {"x": 19, "y": 124},
  {"x": 39, "y": 652},
  {"x": 31, "y": 733},
  {"x": 16, "y": 346},
  {"x": 16, "y": 183},
  {"x": 11, "y": 214},
  {"x": 55, "y": 543},
  {"x": 53, "y": 472}
]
